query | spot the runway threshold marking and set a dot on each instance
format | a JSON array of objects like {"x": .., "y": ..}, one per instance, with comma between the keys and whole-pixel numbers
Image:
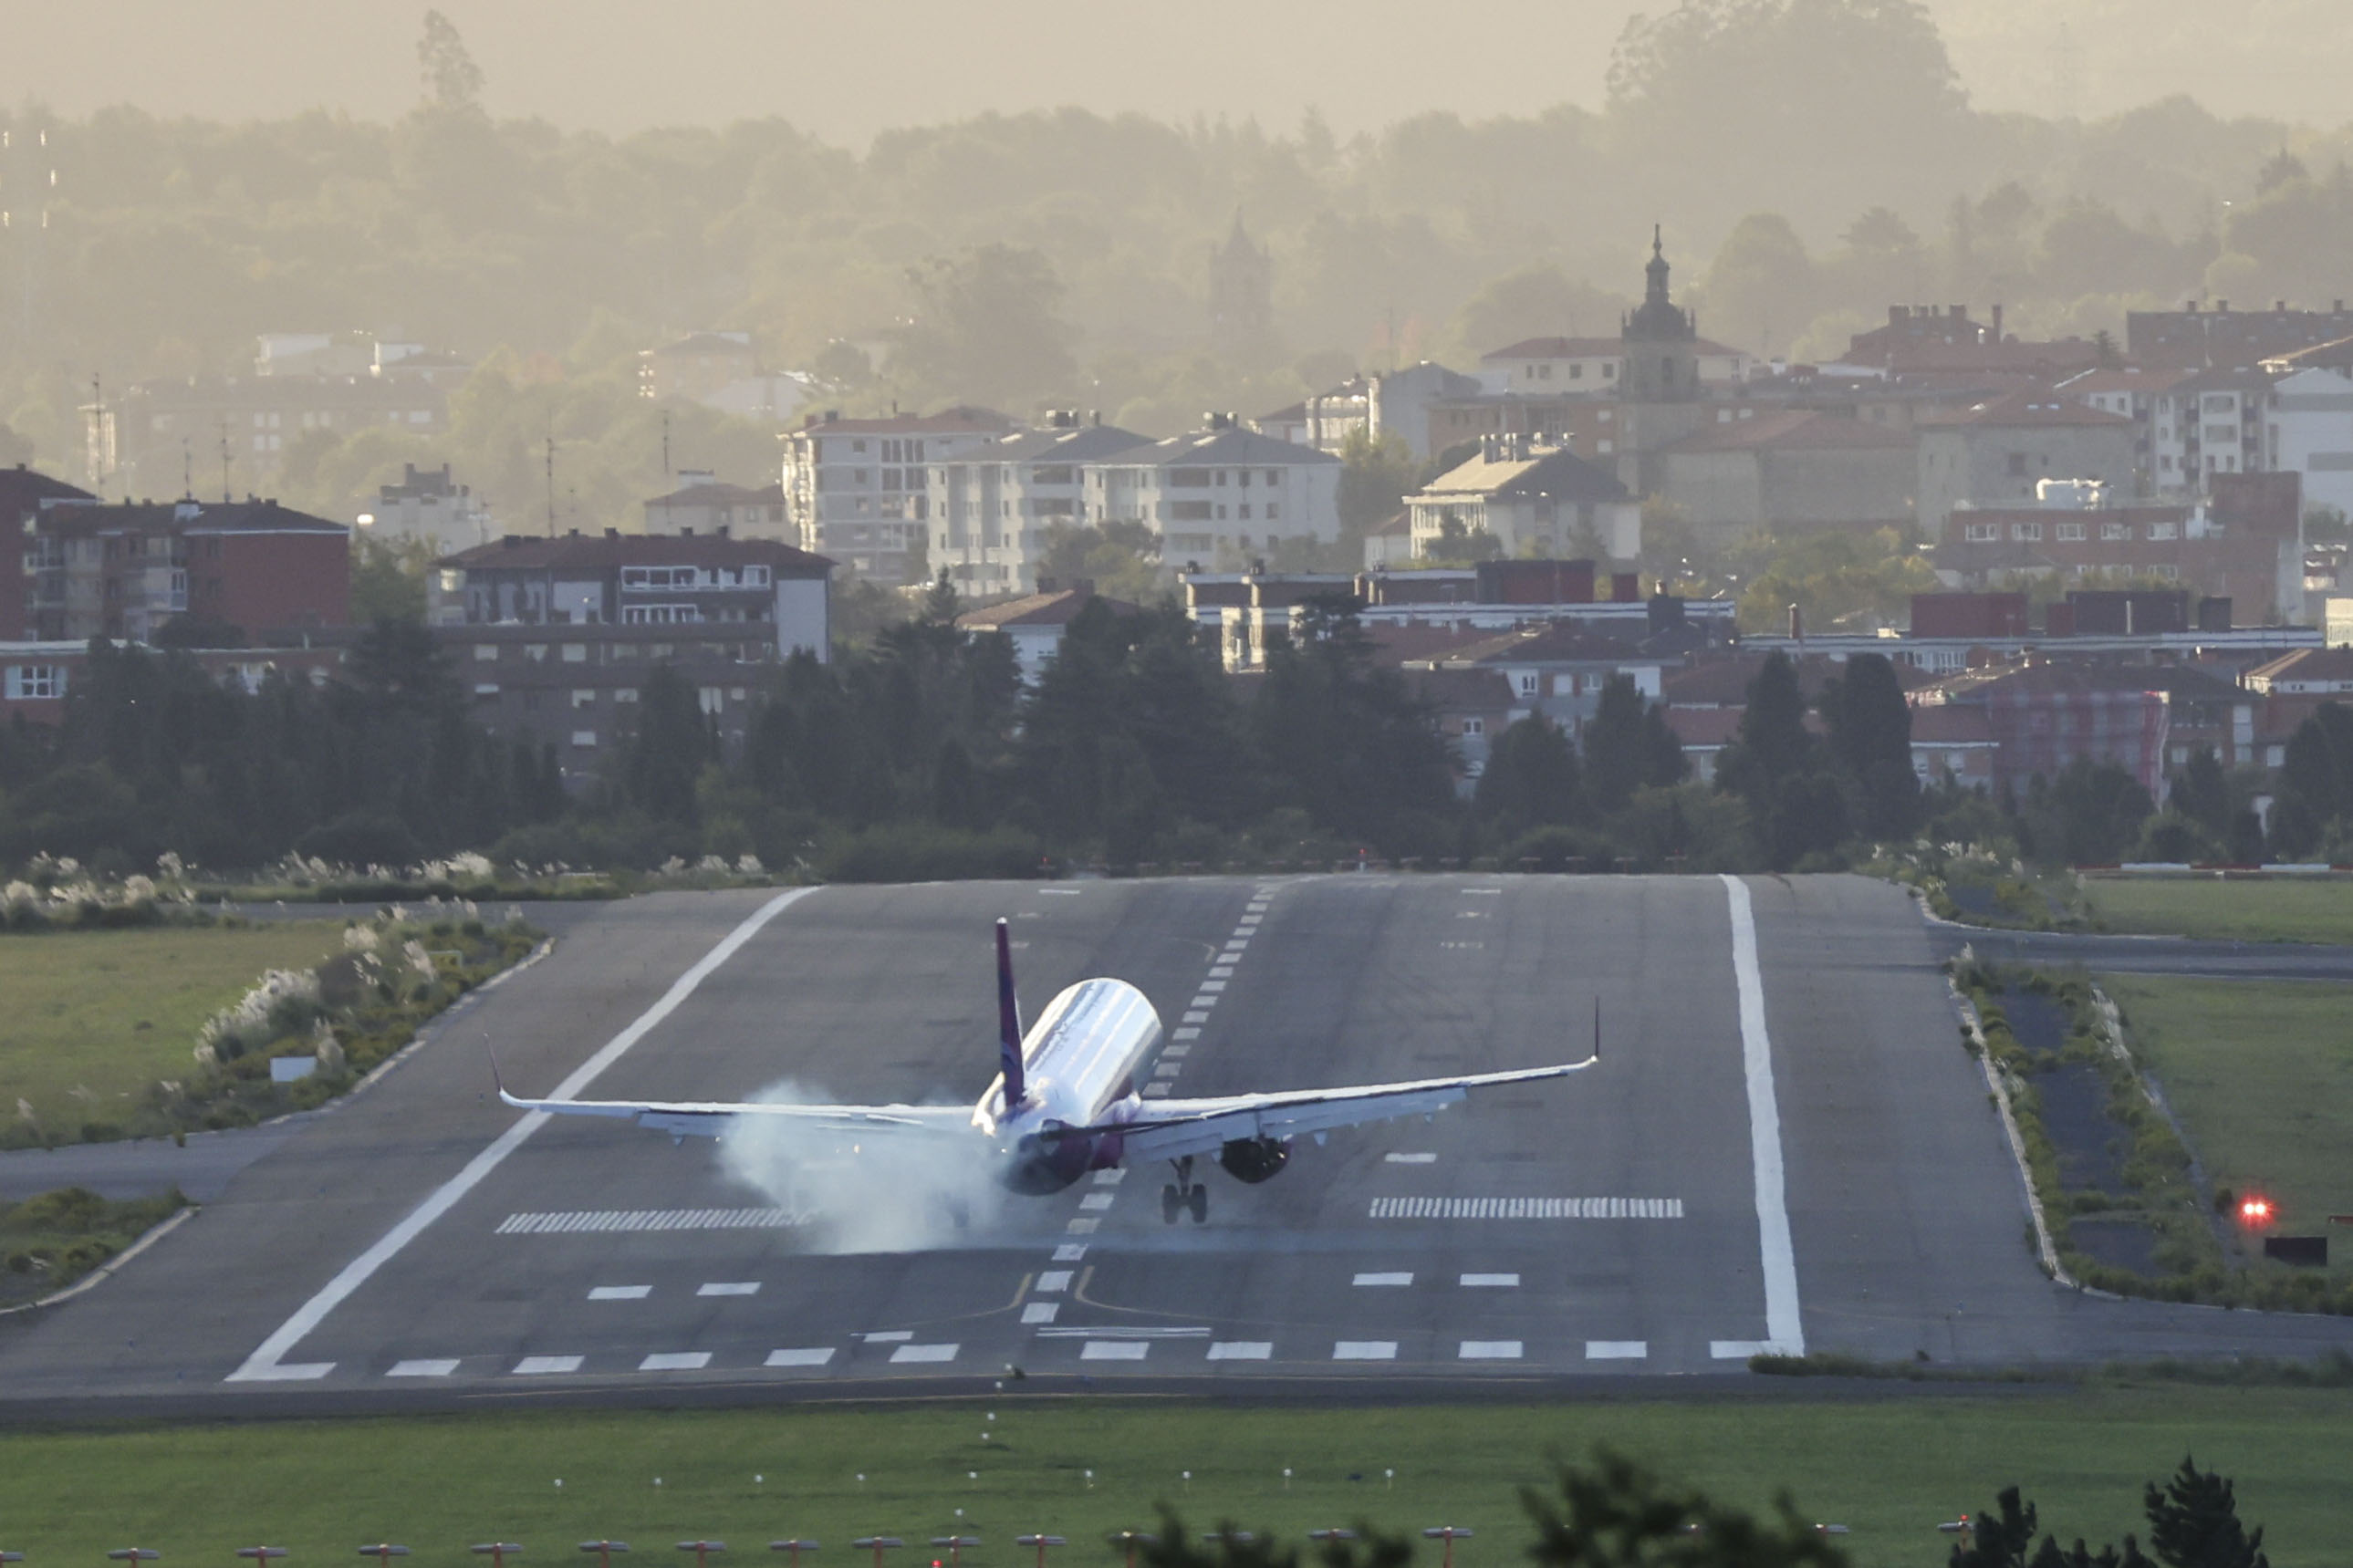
[
  {"x": 1784, "y": 1330},
  {"x": 620, "y": 1292},
  {"x": 268, "y": 1362},
  {"x": 1524, "y": 1209},
  {"x": 606, "y": 1222}
]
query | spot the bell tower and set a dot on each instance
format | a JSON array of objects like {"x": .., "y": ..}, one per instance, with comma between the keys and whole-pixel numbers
[{"x": 1659, "y": 388}]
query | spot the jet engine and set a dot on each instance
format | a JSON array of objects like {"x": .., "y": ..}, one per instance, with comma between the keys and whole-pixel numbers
[{"x": 1253, "y": 1160}]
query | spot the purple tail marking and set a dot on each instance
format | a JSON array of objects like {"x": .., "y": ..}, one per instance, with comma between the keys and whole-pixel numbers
[{"x": 1008, "y": 1020}]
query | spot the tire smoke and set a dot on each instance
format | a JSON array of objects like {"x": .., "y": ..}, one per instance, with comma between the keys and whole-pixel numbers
[{"x": 875, "y": 1190}]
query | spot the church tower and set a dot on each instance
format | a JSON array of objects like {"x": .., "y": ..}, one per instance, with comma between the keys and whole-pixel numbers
[
  {"x": 1241, "y": 293},
  {"x": 1661, "y": 340},
  {"x": 1659, "y": 387}
]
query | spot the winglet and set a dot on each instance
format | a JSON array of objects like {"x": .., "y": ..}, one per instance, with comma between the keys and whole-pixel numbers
[
  {"x": 1009, "y": 1020},
  {"x": 498, "y": 1078},
  {"x": 1597, "y": 1028}
]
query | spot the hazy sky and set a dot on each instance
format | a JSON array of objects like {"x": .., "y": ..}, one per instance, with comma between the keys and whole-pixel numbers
[{"x": 845, "y": 68}]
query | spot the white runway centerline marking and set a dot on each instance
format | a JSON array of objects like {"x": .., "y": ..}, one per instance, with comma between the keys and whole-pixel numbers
[
  {"x": 266, "y": 1363},
  {"x": 888, "y": 1336},
  {"x": 1383, "y": 1279},
  {"x": 1041, "y": 1311},
  {"x": 541, "y": 1365},
  {"x": 1096, "y": 1202},
  {"x": 1617, "y": 1350},
  {"x": 1491, "y": 1281},
  {"x": 1112, "y": 1177},
  {"x": 1115, "y": 1350},
  {"x": 675, "y": 1361},
  {"x": 423, "y": 1368},
  {"x": 1784, "y": 1325},
  {"x": 815, "y": 1356},
  {"x": 731, "y": 1288},
  {"x": 906, "y": 1354},
  {"x": 1410, "y": 1158},
  {"x": 1106, "y": 1332},
  {"x": 1365, "y": 1349},
  {"x": 1054, "y": 1280},
  {"x": 1526, "y": 1208},
  {"x": 620, "y": 1292},
  {"x": 1241, "y": 1350},
  {"x": 1490, "y": 1350},
  {"x": 1069, "y": 1252}
]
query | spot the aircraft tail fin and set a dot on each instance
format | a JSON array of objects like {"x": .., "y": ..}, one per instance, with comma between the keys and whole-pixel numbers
[{"x": 1009, "y": 1020}]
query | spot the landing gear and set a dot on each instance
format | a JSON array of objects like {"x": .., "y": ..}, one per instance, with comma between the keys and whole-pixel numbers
[{"x": 1184, "y": 1195}]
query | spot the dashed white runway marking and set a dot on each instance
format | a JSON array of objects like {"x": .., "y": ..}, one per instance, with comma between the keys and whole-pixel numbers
[
  {"x": 600, "y": 1222},
  {"x": 268, "y": 1362},
  {"x": 1069, "y": 1252},
  {"x": 1041, "y": 1311},
  {"x": 620, "y": 1292},
  {"x": 1400, "y": 1278},
  {"x": 1211, "y": 988},
  {"x": 1481, "y": 893},
  {"x": 1167, "y": 1070},
  {"x": 1526, "y": 1208},
  {"x": 1241, "y": 1350},
  {"x": 1082, "y": 1227},
  {"x": 817, "y": 1356},
  {"x": 1490, "y": 1350},
  {"x": 731, "y": 1288},
  {"x": 675, "y": 1361},
  {"x": 1617, "y": 1350},
  {"x": 1157, "y": 1089},
  {"x": 1060, "y": 892},
  {"x": 1054, "y": 1280},
  {"x": 1501, "y": 1281},
  {"x": 1180, "y": 1035},
  {"x": 1221, "y": 971},
  {"x": 1740, "y": 1350},
  {"x": 1365, "y": 1349},
  {"x": 1178, "y": 1053},
  {"x": 541, "y": 1365},
  {"x": 1410, "y": 1158},
  {"x": 1201, "y": 1017},
  {"x": 1108, "y": 1331},
  {"x": 423, "y": 1368},
  {"x": 1112, "y": 1177},
  {"x": 888, "y": 1336},
  {"x": 929, "y": 1353},
  {"x": 1097, "y": 1202},
  {"x": 1115, "y": 1350}
]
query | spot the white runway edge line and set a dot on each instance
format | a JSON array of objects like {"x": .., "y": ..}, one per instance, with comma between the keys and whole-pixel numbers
[
  {"x": 268, "y": 1363},
  {"x": 1785, "y": 1333}
]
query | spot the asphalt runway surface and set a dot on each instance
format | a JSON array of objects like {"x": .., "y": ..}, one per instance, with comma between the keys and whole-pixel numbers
[{"x": 1785, "y": 1146}]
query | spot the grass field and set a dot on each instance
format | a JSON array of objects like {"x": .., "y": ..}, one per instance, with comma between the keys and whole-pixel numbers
[
  {"x": 91, "y": 1019},
  {"x": 1890, "y": 1470},
  {"x": 2275, "y": 909},
  {"x": 2260, "y": 1075}
]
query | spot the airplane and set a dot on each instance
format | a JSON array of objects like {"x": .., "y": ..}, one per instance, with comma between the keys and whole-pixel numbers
[{"x": 1064, "y": 1101}]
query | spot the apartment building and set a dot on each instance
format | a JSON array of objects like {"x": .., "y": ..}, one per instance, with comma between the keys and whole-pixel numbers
[
  {"x": 856, "y": 490},
  {"x": 1224, "y": 491},
  {"x": 992, "y": 506}
]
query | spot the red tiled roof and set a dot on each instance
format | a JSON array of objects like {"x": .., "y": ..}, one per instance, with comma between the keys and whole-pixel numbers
[{"x": 2029, "y": 408}]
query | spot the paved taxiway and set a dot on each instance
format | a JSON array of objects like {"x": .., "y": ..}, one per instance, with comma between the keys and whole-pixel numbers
[{"x": 1627, "y": 1220}]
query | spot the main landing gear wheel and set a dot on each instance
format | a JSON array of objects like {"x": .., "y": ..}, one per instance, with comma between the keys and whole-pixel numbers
[{"x": 1184, "y": 1195}]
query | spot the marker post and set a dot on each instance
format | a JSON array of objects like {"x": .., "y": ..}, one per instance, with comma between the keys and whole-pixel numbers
[{"x": 1448, "y": 1533}]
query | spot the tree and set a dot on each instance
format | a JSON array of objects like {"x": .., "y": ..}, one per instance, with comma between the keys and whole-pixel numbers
[
  {"x": 941, "y": 605},
  {"x": 1870, "y": 737},
  {"x": 2193, "y": 1522},
  {"x": 1375, "y": 477},
  {"x": 665, "y": 758},
  {"x": 452, "y": 80},
  {"x": 1629, "y": 746},
  {"x": 1530, "y": 778},
  {"x": 2202, "y": 794},
  {"x": 1617, "y": 1514},
  {"x": 2094, "y": 811},
  {"x": 388, "y": 579},
  {"x": 988, "y": 330}
]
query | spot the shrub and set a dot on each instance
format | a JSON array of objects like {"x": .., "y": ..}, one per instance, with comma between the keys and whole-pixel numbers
[{"x": 917, "y": 852}]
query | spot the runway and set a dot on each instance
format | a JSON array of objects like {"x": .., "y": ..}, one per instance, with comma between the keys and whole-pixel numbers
[{"x": 1784, "y": 1147}]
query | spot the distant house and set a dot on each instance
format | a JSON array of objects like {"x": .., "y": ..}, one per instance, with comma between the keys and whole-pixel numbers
[
  {"x": 1995, "y": 452},
  {"x": 1528, "y": 500},
  {"x": 1793, "y": 469},
  {"x": 701, "y": 504},
  {"x": 1036, "y": 622}
]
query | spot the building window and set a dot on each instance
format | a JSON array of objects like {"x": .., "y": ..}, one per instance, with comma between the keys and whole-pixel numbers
[
  {"x": 584, "y": 738},
  {"x": 35, "y": 682},
  {"x": 625, "y": 694},
  {"x": 575, "y": 653},
  {"x": 1528, "y": 684},
  {"x": 486, "y": 652},
  {"x": 712, "y": 697},
  {"x": 2071, "y": 533},
  {"x": 1982, "y": 533},
  {"x": 536, "y": 651},
  {"x": 2164, "y": 529},
  {"x": 1474, "y": 726},
  {"x": 486, "y": 692},
  {"x": 583, "y": 697},
  {"x": 2027, "y": 530},
  {"x": 659, "y": 615},
  {"x": 2112, "y": 530}
]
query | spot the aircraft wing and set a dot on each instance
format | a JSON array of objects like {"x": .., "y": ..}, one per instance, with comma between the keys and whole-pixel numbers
[
  {"x": 712, "y": 1119},
  {"x": 1172, "y": 1129}
]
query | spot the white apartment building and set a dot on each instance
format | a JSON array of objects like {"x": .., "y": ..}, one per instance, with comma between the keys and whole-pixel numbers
[
  {"x": 2211, "y": 423},
  {"x": 2311, "y": 433},
  {"x": 991, "y": 505},
  {"x": 858, "y": 489},
  {"x": 1549, "y": 366},
  {"x": 1225, "y": 491}
]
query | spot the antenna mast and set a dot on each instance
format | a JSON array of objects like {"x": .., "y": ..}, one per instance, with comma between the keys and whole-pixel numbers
[
  {"x": 665, "y": 443},
  {"x": 224, "y": 455},
  {"x": 551, "y": 484}
]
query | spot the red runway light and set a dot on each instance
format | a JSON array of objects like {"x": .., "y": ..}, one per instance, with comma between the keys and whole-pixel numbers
[{"x": 2256, "y": 1211}]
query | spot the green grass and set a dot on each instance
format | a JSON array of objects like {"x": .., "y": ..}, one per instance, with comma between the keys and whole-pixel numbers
[
  {"x": 49, "y": 1241},
  {"x": 91, "y": 1019},
  {"x": 1889, "y": 1468},
  {"x": 2261, "y": 1076},
  {"x": 2273, "y": 908}
]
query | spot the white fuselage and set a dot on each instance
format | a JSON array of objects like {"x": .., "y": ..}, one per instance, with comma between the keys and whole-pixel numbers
[{"x": 1081, "y": 1059}]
